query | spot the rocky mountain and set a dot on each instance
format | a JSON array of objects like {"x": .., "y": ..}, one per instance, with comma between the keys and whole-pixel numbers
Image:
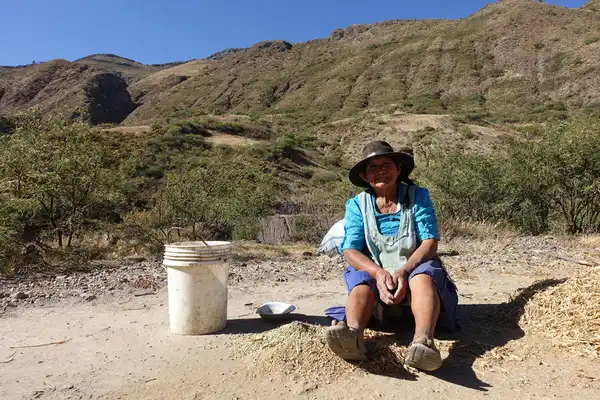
[
  {"x": 130, "y": 70},
  {"x": 511, "y": 57},
  {"x": 61, "y": 83}
]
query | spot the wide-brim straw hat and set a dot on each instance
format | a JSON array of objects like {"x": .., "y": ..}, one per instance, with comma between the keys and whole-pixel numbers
[{"x": 403, "y": 158}]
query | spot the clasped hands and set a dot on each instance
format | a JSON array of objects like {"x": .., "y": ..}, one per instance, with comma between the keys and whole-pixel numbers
[{"x": 392, "y": 287}]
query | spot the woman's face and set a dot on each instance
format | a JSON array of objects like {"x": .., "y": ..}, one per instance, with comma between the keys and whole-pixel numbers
[{"x": 381, "y": 172}]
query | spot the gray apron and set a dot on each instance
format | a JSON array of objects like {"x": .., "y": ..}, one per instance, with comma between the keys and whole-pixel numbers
[{"x": 390, "y": 252}]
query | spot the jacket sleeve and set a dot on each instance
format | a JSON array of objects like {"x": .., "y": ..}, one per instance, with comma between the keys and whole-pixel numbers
[
  {"x": 425, "y": 220},
  {"x": 354, "y": 233}
]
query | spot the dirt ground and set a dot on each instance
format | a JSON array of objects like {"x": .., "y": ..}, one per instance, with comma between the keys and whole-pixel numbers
[{"x": 113, "y": 339}]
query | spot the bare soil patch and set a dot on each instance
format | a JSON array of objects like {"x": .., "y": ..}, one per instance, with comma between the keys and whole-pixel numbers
[{"x": 118, "y": 345}]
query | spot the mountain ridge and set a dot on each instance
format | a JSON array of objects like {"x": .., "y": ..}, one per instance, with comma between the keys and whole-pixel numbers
[{"x": 491, "y": 61}]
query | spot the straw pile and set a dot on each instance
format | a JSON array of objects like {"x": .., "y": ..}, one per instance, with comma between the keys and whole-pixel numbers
[
  {"x": 299, "y": 348},
  {"x": 568, "y": 314}
]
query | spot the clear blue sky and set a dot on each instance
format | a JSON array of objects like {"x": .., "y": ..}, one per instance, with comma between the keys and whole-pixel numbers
[{"x": 155, "y": 31}]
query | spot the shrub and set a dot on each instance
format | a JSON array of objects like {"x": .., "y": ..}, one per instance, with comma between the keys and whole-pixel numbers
[
  {"x": 551, "y": 176},
  {"x": 209, "y": 198},
  {"x": 290, "y": 146},
  {"x": 324, "y": 177},
  {"x": 321, "y": 207},
  {"x": 6, "y": 126},
  {"x": 174, "y": 143},
  {"x": 14, "y": 217},
  {"x": 466, "y": 186},
  {"x": 466, "y": 132},
  {"x": 425, "y": 104},
  {"x": 58, "y": 169}
]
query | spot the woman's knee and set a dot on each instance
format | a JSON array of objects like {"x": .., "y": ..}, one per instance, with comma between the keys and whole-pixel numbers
[
  {"x": 363, "y": 292},
  {"x": 422, "y": 283}
]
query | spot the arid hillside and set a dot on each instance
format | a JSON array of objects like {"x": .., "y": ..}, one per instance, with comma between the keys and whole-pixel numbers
[{"x": 492, "y": 62}]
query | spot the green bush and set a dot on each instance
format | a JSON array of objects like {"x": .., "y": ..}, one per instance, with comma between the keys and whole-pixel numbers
[
  {"x": 16, "y": 220},
  {"x": 320, "y": 207},
  {"x": 324, "y": 177},
  {"x": 475, "y": 117},
  {"x": 290, "y": 146},
  {"x": 6, "y": 126},
  {"x": 466, "y": 185},
  {"x": 549, "y": 111},
  {"x": 466, "y": 132},
  {"x": 60, "y": 171},
  {"x": 425, "y": 104},
  {"x": 548, "y": 177},
  {"x": 210, "y": 198}
]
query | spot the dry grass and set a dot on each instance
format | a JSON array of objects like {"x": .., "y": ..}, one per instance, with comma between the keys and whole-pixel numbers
[
  {"x": 300, "y": 348},
  {"x": 139, "y": 129},
  {"x": 413, "y": 122},
  {"x": 188, "y": 69},
  {"x": 590, "y": 241},
  {"x": 231, "y": 140},
  {"x": 568, "y": 315},
  {"x": 246, "y": 250},
  {"x": 456, "y": 228}
]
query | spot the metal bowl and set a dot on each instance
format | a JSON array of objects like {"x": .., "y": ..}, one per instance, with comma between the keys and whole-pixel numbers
[{"x": 275, "y": 311}]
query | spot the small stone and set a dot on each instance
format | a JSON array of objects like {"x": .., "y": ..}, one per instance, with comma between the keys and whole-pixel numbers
[
  {"x": 135, "y": 258},
  {"x": 10, "y": 304},
  {"x": 88, "y": 297},
  {"x": 20, "y": 296}
]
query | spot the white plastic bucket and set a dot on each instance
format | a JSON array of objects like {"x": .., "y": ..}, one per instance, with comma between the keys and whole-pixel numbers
[{"x": 197, "y": 284}]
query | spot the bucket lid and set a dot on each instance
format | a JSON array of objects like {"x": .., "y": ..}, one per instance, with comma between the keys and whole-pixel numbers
[
  {"x": 194, "y": 245},
  {"x": 214, "y": 247},
  {"x": 196, "y": 253}
]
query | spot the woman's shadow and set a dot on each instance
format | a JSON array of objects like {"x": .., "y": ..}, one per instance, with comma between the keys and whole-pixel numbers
[{"x": 484, "y": 327}]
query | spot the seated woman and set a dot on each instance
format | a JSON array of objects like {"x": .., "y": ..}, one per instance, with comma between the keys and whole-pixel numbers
[{"x": 390, "y": 242}]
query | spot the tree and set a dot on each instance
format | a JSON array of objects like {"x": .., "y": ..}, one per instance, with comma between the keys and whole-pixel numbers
[
  {"x": 219, "y": 198},
  {"x": 548, "y": 177},
  {"x": 57, "y": 166}
]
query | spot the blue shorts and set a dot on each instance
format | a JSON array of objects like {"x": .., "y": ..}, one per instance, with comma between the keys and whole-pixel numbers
[{"x": 434, "y": 269}]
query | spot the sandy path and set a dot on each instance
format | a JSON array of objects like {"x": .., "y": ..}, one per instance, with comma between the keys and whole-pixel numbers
[{"x": 120, "y": 347}]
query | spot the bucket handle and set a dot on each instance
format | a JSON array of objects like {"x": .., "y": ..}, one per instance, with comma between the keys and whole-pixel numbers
[{"x": 177, "y": 227}]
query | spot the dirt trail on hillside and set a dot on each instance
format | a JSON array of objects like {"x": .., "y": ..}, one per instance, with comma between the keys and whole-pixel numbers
[{"x": 117, "y": 345}]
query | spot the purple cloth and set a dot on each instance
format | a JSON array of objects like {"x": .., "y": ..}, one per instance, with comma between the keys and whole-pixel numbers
[
  {"x": 445, "y": 287},
  {"x": 337, "y": 313}
]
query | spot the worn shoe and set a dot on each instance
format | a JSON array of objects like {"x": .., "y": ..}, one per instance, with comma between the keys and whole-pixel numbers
[
  {"x": 423, "y": 355},
  {"x": 346, "y": 342}
]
